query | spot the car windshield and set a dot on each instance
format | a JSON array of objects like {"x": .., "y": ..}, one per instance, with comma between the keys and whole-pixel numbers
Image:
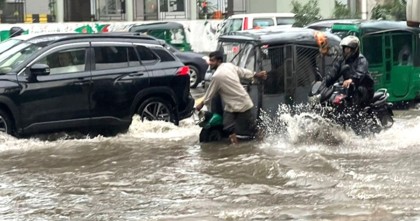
[
  {"x": 16, "y": 55},
  {"x": 9, "y": 43},
  {"x": 232, "y": 25}
]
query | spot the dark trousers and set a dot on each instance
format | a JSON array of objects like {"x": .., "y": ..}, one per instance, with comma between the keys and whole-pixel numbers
[
  {"x": 241, "y": 123},
  {"x": 362, "y": 96}
]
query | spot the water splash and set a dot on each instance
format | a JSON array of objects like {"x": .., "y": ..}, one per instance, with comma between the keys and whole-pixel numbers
[{"x": 299, "y": 125}]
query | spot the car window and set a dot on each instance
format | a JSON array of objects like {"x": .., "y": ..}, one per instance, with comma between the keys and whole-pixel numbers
[
  {"x": 285, "y": 21},
  {"x": 232, "y": 25},
  {"x": 66, "y": 61},
  {"x": 146, "y": 55},
  {"x": 164, "y": 55},
  {"x": 112, "y": 57},
  {"x": 262, "y": 22}
]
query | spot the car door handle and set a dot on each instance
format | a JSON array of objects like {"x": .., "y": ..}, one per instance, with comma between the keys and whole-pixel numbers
[
  {"x": 80, "y": 83},
  {"x": 135, "y": 74}
]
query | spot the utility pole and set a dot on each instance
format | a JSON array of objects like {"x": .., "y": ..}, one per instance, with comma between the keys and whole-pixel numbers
[
  {"x": 229, "y": 8},
  {"x": 352, "y": 5}
]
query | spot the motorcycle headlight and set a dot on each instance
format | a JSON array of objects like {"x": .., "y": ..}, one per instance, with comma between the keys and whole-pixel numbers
[{"x": 316, "y": 99}]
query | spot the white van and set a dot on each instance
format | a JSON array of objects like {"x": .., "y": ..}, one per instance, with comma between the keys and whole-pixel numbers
[{"x": 256, "y": 21}]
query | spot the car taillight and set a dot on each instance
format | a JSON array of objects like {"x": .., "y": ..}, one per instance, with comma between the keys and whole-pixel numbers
[
  {"x": 245, "y": 23},
  {"x": 183, "y": 71}
]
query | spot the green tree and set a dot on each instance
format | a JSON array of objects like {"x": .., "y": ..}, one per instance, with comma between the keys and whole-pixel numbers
[
  {"x": 341, "y": 11},
  {"x": 392, "y": 10},
  {"x": 2, "y": 4},
  {"x": 307, "y": 13}
]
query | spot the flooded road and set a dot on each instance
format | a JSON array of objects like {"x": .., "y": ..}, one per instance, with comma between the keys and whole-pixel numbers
[{"x": 158, "y": 171}]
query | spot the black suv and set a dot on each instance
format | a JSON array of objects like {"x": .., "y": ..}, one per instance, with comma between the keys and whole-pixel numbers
[{"x": 90, "y": 81}]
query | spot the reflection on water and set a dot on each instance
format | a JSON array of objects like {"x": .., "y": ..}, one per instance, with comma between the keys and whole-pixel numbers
[{"x": 158, "y": 171}]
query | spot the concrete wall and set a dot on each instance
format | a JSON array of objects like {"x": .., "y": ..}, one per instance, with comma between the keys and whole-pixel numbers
[
  {"x": 37, "y": 7},
  {"x": 262, "y": 6}
]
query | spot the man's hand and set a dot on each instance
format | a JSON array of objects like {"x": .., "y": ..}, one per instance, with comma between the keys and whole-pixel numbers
[
  {"x": 347, "y": 83},
  {"x": 199, "y": 106},
  {"x": 261, "y": 75}
]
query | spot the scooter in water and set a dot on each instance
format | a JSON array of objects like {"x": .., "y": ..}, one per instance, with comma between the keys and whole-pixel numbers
[
  {"x": 335, "y": 103},
  {"x": 212, "y": 127}
]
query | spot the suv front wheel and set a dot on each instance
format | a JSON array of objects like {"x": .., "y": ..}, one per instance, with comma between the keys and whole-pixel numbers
[
  {"x": 156, "y": 109},
  {"x": 6, "y": 125}
]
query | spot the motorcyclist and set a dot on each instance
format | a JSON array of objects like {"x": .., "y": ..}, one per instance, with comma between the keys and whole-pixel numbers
[{"x": 353, "y": 67}]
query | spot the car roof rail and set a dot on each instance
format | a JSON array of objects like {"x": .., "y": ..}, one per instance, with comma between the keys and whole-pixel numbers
[{"x": 116, "y": 35}]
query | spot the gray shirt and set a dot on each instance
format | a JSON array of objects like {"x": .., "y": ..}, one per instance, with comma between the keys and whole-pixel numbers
[{"x": 226, "y": 82}]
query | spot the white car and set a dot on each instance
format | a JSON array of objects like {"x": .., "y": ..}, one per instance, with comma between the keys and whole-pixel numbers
[{"x": 256, "y": 21}]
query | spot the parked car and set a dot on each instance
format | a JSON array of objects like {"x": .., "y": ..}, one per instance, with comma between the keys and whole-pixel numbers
[
  {"x": 195, "y": 61},
  {"x": 90, "y": 81},
  {"x": 242, "y": 22}
]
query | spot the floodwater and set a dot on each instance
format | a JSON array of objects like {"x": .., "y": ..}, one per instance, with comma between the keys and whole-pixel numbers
[{"x": 158, "y": 171}]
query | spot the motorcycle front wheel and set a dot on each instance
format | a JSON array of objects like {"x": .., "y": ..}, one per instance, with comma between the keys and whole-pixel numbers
[{"x": 212, "y": 134}]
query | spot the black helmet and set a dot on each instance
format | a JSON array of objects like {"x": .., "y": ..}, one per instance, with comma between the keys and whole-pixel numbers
[{"x": 16, "y": 31}]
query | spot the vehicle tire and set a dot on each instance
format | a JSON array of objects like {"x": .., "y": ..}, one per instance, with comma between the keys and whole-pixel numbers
[
  {"x": 6, "y": 123},
  {"x": 212, "y": 134},
  {"x": 386, "y": 120},
  {"x": 195, "y": 77},
  {"x": 157, "y": 109}
]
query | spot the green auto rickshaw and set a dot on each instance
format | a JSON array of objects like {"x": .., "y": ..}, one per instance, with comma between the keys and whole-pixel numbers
[{"x": 172, "y": 32}]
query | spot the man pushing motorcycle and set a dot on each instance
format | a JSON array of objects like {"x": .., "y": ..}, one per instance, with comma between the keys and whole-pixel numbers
[
  {"x": 237, "y": 115},
  {"x": 353, "y": 67}
]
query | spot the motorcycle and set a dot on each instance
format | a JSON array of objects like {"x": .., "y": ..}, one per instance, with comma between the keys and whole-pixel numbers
[
  {"x": 335, "y": 103},
  {"x": 212, "y": 127}
]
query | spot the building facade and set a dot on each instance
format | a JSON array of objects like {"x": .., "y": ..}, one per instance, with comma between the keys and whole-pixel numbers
[{"x": 31, "y": 11}]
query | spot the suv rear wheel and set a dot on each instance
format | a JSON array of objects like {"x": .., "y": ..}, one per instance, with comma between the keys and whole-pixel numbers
[
  {"x": 6, "y": 125},
  {"x": 156, "y": 109},
  {"x": 194, "y": 76}
]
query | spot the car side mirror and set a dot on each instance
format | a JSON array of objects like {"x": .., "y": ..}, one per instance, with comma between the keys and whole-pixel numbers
[{"x": 40, "y": 69}]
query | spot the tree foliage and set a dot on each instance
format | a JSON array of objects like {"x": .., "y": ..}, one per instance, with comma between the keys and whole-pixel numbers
[
  {"x": 393, "y": 10},
  {"x": 307, "y": 13},
  {"x": 341, "y": 11}
]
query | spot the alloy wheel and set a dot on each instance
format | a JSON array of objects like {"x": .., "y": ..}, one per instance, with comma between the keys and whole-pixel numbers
[
  {"x": 3, "y": 125},
  {"x": 193, "y": 76},
  {"x": 156, "y": 111}
]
